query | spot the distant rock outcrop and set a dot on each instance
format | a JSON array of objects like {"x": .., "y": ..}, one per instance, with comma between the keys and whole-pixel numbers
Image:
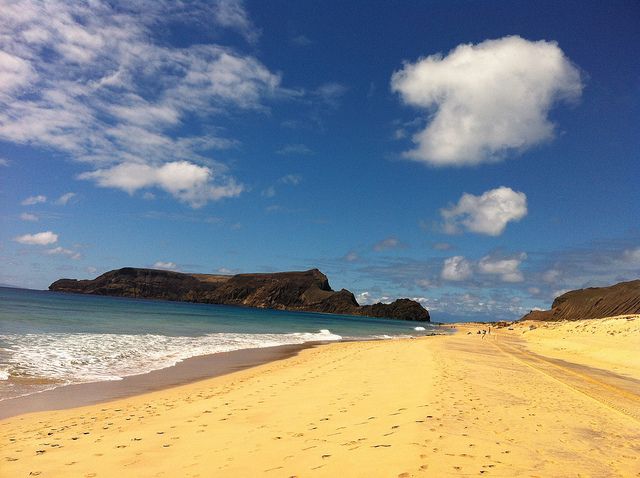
[
  {"x": 305, "y": 291},
  {"x": 592, "y": 303}
]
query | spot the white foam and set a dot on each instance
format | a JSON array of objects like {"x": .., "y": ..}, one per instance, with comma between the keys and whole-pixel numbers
[
  {"x": 73, "y": 358},
  {"x": 419, "y": 328}
]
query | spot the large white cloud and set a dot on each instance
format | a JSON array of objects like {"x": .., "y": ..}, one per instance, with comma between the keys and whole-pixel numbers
[
  {"x": 38, "y": 239},
  {"x": 92, "y": 81},
  {"x": 487, "y": 214},
  {"x": 456, "y": 268},
  {"x": 486, "y": 99}
]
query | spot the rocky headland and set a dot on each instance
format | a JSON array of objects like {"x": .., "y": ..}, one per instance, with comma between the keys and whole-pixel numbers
[
  {"x": 592, "y": 303},
  {"x": 305, "y": 291}
]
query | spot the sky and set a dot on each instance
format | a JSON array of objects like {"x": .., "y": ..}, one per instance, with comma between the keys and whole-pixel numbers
[{"x": 479, "y": 157}]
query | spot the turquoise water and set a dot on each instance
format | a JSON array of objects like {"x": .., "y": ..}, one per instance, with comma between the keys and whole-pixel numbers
[{"x": 48, "y": 339}]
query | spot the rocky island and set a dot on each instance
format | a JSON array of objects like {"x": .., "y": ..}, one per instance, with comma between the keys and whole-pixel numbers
[
  {"x": 304, "y": 291},
  {"x": 592, "y": 303}
]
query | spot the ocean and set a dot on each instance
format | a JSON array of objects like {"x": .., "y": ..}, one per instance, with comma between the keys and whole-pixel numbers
[{"x": 49, "y": 339}]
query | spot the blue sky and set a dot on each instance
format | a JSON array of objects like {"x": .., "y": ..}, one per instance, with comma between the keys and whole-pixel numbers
[{"x": 480, "y": 157}]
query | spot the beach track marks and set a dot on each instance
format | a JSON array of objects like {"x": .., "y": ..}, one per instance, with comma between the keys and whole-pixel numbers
[{"x": 608, "y": 389}]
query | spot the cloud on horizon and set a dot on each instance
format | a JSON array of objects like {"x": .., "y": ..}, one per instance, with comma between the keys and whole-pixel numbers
[
  {"x": 165, "y": 265},
  {"x": 486, "y": 100}
]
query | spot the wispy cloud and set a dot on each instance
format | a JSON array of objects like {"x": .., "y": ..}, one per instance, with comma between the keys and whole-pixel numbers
[
  {"x": 31, "y": 200},
  {"x": 65, "y": 198},
  {"x": 232, "y": 14},
  {"x": 25, "y": 216},
  {"x": 291, "y": 179},
  {"x": 61, "y": 251},
  {"x": 269, "y": 192},
  {"x": 330, "y": 93},
  {"x": 295, "y": 149},
  {"x": 83, "y": 79},
  {"x": 391, "y": 242},
  {"x": 351, "y": 256}
]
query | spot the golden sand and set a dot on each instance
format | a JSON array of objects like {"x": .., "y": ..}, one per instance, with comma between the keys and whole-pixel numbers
[{"x": 457, "y": 405}]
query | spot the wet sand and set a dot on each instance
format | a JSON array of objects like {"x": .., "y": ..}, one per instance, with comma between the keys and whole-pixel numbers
[{"x": 437, "y": 406}]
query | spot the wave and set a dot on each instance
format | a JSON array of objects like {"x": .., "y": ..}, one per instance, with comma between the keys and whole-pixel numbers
[{"x": 88, "y": 357}]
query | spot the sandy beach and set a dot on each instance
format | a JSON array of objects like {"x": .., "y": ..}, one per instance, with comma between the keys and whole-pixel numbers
[{"x": 539, "y": 400}]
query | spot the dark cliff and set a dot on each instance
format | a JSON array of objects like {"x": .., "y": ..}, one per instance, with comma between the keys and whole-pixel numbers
[
  {"x": 593, "y": 303},
  {"x": 305, "y": 291}
]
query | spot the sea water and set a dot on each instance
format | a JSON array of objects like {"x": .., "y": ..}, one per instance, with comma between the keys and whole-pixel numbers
[{"x": 48, "y": 339}]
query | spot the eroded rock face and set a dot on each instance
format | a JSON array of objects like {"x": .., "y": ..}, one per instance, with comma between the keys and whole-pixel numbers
[
  {"x": 593, "y": 303},
  {"x": 306, "y": 291}
]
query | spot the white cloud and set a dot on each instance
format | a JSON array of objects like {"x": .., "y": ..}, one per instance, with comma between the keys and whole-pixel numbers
[
  {"x": 456, "y": 268},
  {"x": 31, "y": 200},
  {"x": 486, "y": 214},
  {"x": 38, "y": 239},
  {"x": 486, "y": 99},
  {"x": 64, "y": 252},
  {"x": 186, "y": 181},
  {"x": 507, "y": 269},
  {"x": 232, "y": 14},
  {"x": 388, "y": 243},
  {"x": 65, "y": 198},
  {"x": 84, "y": 79},
  {"x": 169, "y": 266},
  {"x": 4, "y": 162},
  {"x": 91, "y": 270},
  {"x": 25, "y": 216}
]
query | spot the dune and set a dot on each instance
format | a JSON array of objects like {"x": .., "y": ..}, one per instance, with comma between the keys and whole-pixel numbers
[{"x": 457, "y": 405}]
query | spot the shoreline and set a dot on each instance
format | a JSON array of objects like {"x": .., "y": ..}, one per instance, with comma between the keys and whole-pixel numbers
[
  {"x": 190, "y": 370},
  {"x": 522, "y": 401}
]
